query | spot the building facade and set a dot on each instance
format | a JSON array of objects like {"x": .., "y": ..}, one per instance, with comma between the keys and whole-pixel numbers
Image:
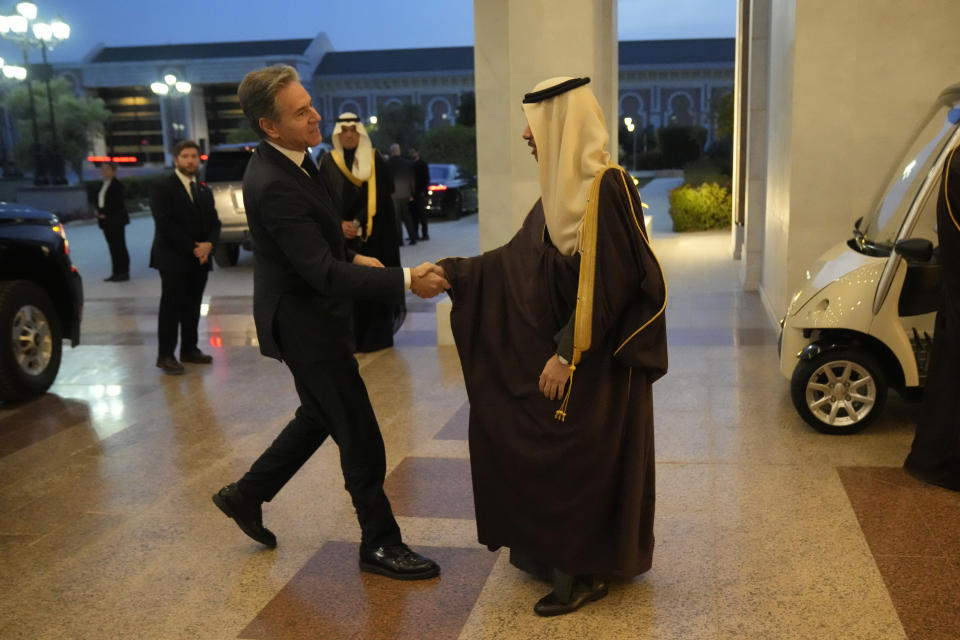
[{"x": 660, "y": 82}]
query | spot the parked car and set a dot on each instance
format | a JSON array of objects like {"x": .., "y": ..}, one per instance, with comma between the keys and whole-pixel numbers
[
  {"x": 452, "y": 191},
  {"x": 863, "y": 320},
  {"x": 41, "y": 300},
  {"x": 223, "y": 173}
]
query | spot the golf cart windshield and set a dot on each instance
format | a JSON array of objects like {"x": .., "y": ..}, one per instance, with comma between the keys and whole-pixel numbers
[{"x": 922, "y": 164}]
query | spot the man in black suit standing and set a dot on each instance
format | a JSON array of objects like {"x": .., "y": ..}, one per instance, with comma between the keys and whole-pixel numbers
[
  {"x": 112, "y": 217},
  {"x": 187, "y": 228},
  {"x": 421, "y": 181},
  {"x": 305, "y": 283}
]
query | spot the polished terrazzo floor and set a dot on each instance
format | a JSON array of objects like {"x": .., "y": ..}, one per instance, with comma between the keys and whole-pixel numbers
[{"x": 765, "y": 529}]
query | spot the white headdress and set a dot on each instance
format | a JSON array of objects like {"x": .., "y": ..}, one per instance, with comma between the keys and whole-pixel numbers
[
  {"x": 363, "y": 158},
  {"x": 571, "y": 137}
]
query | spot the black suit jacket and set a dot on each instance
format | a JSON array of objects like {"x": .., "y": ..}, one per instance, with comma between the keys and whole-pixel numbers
[
  {"x": 180, "y": 223},
  {"x": 421, "y": 177},
  {"x": 113, "y": 207},
  {"x": 302, "y": 268}
]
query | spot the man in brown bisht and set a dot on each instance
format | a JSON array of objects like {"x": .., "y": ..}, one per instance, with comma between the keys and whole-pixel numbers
[
  {"x": 935, "y": 453},
  {"x": 563, "y": 465}
]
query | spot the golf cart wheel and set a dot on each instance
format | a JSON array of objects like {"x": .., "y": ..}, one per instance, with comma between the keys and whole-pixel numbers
[{"x": 839, "y": 392}]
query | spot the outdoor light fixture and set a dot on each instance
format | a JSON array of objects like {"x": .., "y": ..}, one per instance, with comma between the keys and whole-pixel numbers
[
  {"x": 42, "y": 31},
  {"x": 28, "y": 10},
  {"x": 14, "y": 72},
  {"x": 18, "y": 24},
  {"x": 373, "y": 119},
  {"x": 24, "y": 29},
  {"x": 173, "y": 87},
  {"x": 61, "y": 30}
]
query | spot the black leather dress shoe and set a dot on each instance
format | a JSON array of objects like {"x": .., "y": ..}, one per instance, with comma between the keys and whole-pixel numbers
[
  {"x": 246, "y": 513},
  {"x": 170, "y": 365},
  {"x": 196, "y": 357},
  {"x": 584, "y": 592},
  {"x": 398, "y": 562}
]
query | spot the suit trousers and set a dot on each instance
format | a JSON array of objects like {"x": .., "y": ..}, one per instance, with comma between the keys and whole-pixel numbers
[
  {"x": 333, "y": 402},
  {"x": 181, "y": 293},
  {"x": 401, "y": 208},
  {"x": 115, "y": 235},
  {"x": 418, "y": 209}
]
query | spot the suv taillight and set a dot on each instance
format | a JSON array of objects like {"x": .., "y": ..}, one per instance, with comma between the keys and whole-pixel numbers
[{"x": 58, "y": 228}]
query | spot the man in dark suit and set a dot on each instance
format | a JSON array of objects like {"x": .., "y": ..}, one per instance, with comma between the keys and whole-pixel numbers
[
  {"x": 187, "y": 228},
  {"x": 111, "y": 212},
  {"x": 305, "y": 283},
  {"x": 421, "y": 181}
]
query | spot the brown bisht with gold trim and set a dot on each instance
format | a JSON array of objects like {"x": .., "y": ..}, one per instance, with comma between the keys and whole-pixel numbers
[
  {"x": 935, "y": 453},
  {"x": 573, "y": 490}
]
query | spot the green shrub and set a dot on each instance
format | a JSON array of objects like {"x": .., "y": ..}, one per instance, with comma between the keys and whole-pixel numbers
[
  {"x": 708, "y": 206},
  {"x": 705, "y": 170}
]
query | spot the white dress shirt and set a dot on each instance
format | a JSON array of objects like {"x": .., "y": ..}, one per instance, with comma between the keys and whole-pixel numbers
[
  {"x": 102, "y": 196},
  {"x": 187, "y": 180}
]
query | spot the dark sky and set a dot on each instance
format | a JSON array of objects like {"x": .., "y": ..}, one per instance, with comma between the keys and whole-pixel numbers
[{"x": 350, "y": 24}]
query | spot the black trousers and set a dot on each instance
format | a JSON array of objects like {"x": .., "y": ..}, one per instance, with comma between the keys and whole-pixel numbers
[
  {"x": 180, "y": 296},
  {"x": 401, "y": 208},
  {"x": 418, "y": 209},
  {"x": 117, "y": 243},
  {"x": 333, "y": 402}
]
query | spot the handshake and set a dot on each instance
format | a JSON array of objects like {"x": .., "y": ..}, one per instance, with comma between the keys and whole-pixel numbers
[{"x": 428, "y": 280}]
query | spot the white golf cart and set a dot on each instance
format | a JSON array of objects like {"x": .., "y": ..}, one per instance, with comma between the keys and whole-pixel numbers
[{"x": 863, "y": 320}]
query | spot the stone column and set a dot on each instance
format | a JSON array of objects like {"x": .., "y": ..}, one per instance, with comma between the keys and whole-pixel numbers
[
  {"x": 518, "y": 43},
  {"x": 750, "y": 149}
]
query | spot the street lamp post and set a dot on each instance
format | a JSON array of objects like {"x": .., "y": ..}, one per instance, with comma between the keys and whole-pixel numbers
[
  {"x": 163, "y": 89},
  {"x": 631, "y": 127},
  {"x": 23, "y": 29}
]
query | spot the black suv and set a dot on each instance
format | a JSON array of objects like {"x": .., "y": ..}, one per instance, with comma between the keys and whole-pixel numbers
[{"x": 41, "y": 300}]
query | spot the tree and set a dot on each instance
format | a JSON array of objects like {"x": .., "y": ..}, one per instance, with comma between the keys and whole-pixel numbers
[
  {"x": 721, "y": 114},
  {"x": 79, "y": 121},
  {"x": 400, "y": 123},
  {"x": 456, "y": 144},
  {"x": 467, "y": 111}
]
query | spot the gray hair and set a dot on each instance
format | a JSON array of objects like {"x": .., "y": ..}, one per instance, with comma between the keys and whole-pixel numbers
[{"x": 258, "y": 93}]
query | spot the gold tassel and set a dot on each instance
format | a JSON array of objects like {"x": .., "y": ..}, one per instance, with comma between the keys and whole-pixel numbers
[{"x": 561, "y": 413}]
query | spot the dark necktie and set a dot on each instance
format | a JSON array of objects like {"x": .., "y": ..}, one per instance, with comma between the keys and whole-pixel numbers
[
  {"x": 194, "y": 192},
  {"x": 309, "y": 166}
]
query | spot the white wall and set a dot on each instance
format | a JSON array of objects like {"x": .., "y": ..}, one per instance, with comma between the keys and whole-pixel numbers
[{"x": 849, "y": 82}]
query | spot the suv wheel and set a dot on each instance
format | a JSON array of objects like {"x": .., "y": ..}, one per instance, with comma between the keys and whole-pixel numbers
[
  {"x": 226, "y": 255},
  {"x": 31, "y": 341},
  {"x": 839, "y": 392}
]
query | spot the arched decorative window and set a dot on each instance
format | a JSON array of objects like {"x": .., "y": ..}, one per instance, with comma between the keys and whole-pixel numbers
[
  {"x": 680, "y": 110},
  {"x": 439, "y": 113}
]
